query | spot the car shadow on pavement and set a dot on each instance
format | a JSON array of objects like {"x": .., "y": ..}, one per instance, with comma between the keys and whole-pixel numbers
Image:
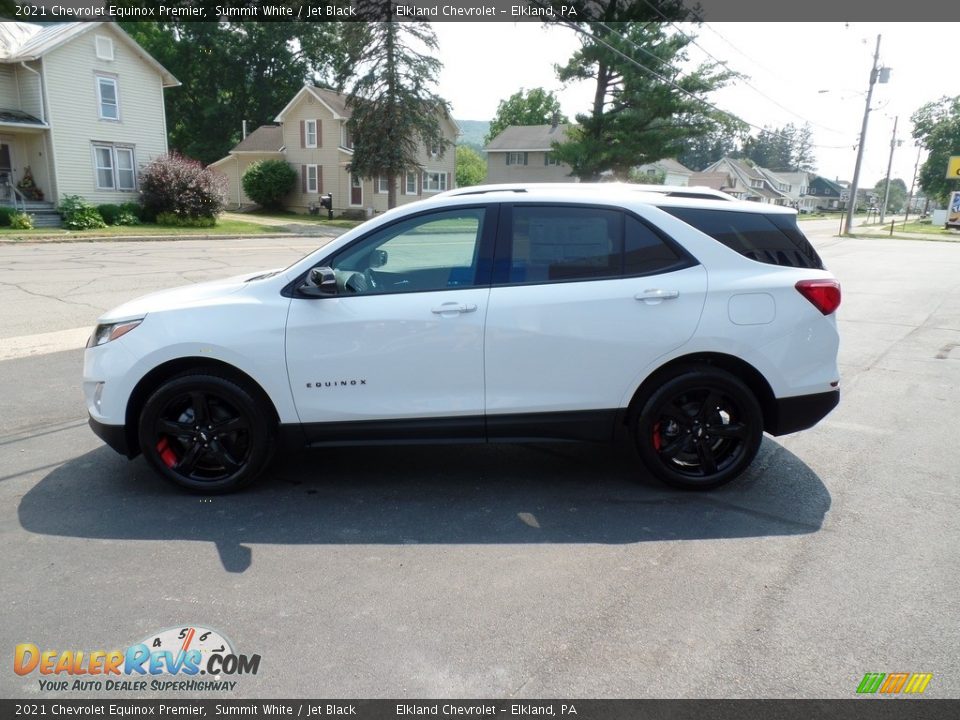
[{"x": 459, "y": 494}]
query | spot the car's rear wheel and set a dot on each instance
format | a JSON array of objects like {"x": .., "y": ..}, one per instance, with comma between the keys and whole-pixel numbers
[
  {"x": 699, "y": 429},
  {"x": 206, "y": 433}
]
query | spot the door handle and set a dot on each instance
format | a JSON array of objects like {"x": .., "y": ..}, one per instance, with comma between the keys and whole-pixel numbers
[
  {"x": 452, "y": 307},
  {"x": 653, "y": 296}
]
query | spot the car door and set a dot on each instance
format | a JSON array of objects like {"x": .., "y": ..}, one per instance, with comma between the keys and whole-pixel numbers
[
  {"x": 398, "y": 351},
  {"x": 583, "y": 299}
]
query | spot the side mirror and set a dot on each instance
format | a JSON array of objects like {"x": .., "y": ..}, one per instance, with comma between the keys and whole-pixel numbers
[
  {"x": 378, "y": 258},
  {"x": 321, "y": 282}
]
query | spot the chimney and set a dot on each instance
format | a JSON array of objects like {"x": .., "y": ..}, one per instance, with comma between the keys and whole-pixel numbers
[{"x": 244, "y": 129}]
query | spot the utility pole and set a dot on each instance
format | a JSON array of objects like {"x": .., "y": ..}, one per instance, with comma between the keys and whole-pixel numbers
[
  {"x": 913, "y": 184},
  {"x": 863, "y": 136},
  {"x": 886, "y": 191}
]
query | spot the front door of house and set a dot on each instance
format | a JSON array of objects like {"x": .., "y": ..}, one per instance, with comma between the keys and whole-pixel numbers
[
  {"x": 356, "y": 190},
  {"x": 6, "y": 170}
]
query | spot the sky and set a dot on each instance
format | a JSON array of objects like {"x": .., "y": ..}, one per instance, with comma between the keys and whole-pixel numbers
[{"x": 787, "y": 64}]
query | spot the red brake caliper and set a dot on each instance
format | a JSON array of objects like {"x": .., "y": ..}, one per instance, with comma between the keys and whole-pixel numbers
[
  {"x": 657, "y": 442},
  {"x": 166, "y": 453}
]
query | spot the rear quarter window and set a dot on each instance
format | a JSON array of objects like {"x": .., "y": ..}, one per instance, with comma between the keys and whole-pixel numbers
[{"x": 770, "y": 239}]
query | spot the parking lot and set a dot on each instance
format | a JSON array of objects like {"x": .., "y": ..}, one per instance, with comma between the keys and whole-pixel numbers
[{"x": 497, "y": 571}]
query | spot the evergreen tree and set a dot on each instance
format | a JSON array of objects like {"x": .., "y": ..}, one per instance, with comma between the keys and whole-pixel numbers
[
  {"x": 644, "y": 109},
  {"x": 393, "y": 107}
]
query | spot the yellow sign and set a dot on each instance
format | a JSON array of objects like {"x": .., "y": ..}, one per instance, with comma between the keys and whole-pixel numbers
[{"x": 953, "y": 168}]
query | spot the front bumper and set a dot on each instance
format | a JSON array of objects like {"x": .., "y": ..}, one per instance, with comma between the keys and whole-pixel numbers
[
  {"x": 793, "y": 414},
  {"x": 113, "y": 435}
]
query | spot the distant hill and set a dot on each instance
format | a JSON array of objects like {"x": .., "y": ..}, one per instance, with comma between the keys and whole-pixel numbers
[{"x": 472, "y": 133}]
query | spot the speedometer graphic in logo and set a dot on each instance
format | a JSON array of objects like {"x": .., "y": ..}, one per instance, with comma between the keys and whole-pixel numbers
[{"x": 177, "y": 640}]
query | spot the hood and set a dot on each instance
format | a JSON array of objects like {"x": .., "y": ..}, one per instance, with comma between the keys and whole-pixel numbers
[{"x": 205, "y": 293}]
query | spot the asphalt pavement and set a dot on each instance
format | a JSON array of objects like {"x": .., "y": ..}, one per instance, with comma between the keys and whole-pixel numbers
[{"x": 496, "y": 571}]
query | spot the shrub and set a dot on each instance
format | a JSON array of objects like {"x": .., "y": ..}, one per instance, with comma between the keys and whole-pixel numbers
[
  {"x": 5, "y": 214},
  {"x": 78, "y": 214},
  {"x": 267, "y": 182},
  {"x": 21, "y": 221},
  {"x": 133, "y": 208},
  {"x": 175, "y": 184},
  {"x": 174, "y": 220},
  {"x": 125, "y": 217},
  {"x": 109, "y": 213}
]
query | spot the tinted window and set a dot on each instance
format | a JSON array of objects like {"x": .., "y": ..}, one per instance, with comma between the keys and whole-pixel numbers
[
  {"x": 645, "y": 252},
  {"x": 551, "y": 243},
  {"x": 557, "y": 243},
  {"x": 428, "y": 252},
  {"x": 771, "y": 239}
]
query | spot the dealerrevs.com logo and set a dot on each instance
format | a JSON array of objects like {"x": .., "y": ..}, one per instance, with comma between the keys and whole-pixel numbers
[{"x": 184, "y": 658}]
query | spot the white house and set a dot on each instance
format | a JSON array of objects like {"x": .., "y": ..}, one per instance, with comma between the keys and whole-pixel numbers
[{"x": 81, "y": 111}]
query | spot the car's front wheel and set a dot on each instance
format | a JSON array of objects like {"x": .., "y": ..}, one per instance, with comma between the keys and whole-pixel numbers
[
  {"x": 206, "y": 433},
  {"x": 699, "y": 429}
]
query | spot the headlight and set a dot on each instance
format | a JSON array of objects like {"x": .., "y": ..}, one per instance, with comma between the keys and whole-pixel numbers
[{"x": 111, "y": 331}]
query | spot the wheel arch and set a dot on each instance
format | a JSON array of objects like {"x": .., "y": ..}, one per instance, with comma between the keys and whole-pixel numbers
[
  {"x": 163, "y": 372},
  {"x": 738, "y": 367}
]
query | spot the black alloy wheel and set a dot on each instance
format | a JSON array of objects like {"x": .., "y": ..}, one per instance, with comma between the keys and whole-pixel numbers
[
  {"x": 205, "y": 433},
  {"x": 700, "y": 429}
]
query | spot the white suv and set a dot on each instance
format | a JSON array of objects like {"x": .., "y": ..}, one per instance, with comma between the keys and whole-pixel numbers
[{"x": 688, "y": 322}]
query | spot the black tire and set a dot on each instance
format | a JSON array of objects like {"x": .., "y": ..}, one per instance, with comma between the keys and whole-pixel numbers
[
  {"x": 699, "y": 429},
  {"x": 206, "y": 433}
]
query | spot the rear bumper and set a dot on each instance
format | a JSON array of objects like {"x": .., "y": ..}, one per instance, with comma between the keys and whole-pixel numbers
[
  {"x": 793, "y": 414},
  {"x": 113, "y": 435}
]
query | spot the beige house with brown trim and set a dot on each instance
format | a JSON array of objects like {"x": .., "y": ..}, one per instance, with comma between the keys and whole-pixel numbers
[
  {"x": 523, "y": 153},
  {"x": 81, "y": 107},
  {"x": 311, "y": 135}
]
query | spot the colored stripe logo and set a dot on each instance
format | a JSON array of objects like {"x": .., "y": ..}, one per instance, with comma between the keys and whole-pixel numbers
[{"x": 894, "y": 683}]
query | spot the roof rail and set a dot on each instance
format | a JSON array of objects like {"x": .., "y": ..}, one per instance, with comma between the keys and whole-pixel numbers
[{"x": 681, "y": 191}]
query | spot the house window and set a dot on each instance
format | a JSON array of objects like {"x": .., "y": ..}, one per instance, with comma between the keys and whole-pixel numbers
[
  {"x": 435, "y": 149},
  {"x": 383, "y": 184},
  {"x": 108, "y": 98},
  {"x": 104, "y": 47},
  {"x": 411, "y": 184},
  {"x": 114, "y": 167},
  {"x": 313, "y": 184},
  {"x": 516, "y": 158},
  {"x": 551, "y": 159},
  {"x": 346, "y": 140},
  {"x": 434, "y": 182},
  {"x": 310, "y": 133}
]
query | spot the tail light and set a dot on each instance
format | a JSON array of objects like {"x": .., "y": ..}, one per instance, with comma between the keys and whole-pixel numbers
[{"x": 823, "y": 294}]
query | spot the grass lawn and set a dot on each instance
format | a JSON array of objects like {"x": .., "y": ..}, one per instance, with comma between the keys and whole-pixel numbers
[
  {"x": 926, "y": 228},
  {"x": 224, "y": 227},
  {"x": 288, "y": 216}
]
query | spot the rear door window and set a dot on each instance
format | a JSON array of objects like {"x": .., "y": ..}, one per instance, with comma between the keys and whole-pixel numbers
[
  {"x": 771, "y": 239},
  {"x": 553, "y": 243}
]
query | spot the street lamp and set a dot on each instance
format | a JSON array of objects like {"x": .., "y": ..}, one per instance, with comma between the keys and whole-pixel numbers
[{"x": 877, "y": 74}]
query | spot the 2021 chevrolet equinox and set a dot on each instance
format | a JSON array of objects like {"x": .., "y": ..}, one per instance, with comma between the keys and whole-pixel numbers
[{"x": 688, "y": 322}]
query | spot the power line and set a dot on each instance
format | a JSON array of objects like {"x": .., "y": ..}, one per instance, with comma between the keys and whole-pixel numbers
[
  {"x": 743, "y": 78},
  {"x": 669, "y": 82}
]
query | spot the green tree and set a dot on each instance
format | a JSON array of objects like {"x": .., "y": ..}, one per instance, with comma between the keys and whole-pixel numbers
[
  {"x": 231, "y": 72},
  {"x": 898, "y": 194},
  {"x": 785, "y": 149},
  {"x": 936, "y": 126},
  {"x": 391, "y": 70},
  {"x": 268, "y": 182},
  {"x": 471, "y": 168},
  {"x": 644, "y": 108},
  {"x": 703, "y": 150},
  {"x": 532, "y": 107}
]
